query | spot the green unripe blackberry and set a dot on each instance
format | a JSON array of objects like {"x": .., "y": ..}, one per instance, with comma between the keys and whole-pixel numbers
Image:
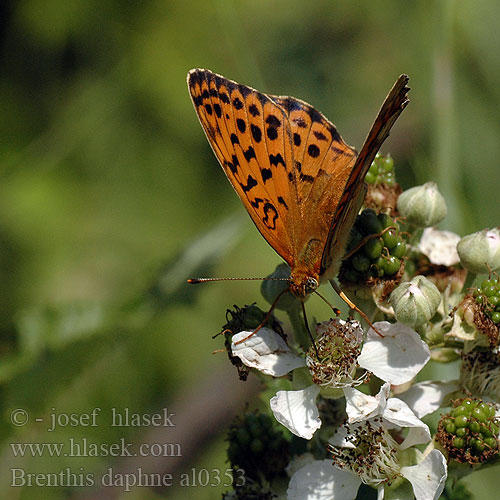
[
  {"x": 399, "y": 249},
  {"x": 360, "y": 262},
  {"x": 368, "y": 222},
  {"x": 391, "y": 238},
  {"x": 381, "y": 171},
  {"x": 391, "y": 265},
  {"x": 470, "y": 431},
  {"x": 487, "y": 295},
  {"x": 373, "y": 248},
  {"x": 380, "y": 248}
]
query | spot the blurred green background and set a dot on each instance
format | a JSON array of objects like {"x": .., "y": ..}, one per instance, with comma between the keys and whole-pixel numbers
[{"x": 111, "y": 198}]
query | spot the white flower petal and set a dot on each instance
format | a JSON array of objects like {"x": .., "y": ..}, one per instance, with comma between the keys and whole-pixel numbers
[
  {"x": 267, "y": 352},
  {"x": 440, "y": 246},
  {"x": 426, "y": 397},
  {"x": 398, "y": 356},
  {"x": 380, "y": 492},
  {"x": 428, "y": 477},
  {"x": 298, "y": 462},
  {"x": 320, "y": 480},
  {"x": 297, "y": 411},
  {"x": 416, "y": 435},
  {"x": 360, "y": 406},
  {"x": 398, "y": 412}
]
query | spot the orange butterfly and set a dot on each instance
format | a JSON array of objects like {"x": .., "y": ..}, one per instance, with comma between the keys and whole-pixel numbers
[{"x": 301, "y": 184}]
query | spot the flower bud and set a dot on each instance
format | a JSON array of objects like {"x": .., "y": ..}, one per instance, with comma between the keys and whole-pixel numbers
[
  {"x": 416, "y": 301},
  {"x": 422, "y": 205},
  {"x": 480, "y": 252},
  {"x": 271, "y": 288}
]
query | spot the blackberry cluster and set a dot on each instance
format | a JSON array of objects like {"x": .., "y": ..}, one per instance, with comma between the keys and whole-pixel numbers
[
  {"x": 381, "y": 171},
  {"x": 382, "y": 251},
  {"x": 257, "y": 447},
  {"x": 488, "y": 297},
  {"x": 469, "y": 432}
]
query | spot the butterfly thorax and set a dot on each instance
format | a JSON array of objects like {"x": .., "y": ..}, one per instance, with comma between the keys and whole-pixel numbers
[{"x": 301, "y": 284}]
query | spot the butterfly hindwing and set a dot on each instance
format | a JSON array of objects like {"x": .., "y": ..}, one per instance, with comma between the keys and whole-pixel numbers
[{"x": 354, "y": 190}]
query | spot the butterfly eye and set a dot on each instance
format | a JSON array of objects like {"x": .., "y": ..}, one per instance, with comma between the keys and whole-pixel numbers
[{"x": 311, "y": 285}]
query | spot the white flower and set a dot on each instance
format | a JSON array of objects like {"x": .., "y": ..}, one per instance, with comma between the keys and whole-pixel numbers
[
  {"x": 267, "y": 352},
  {"x": 297, "y": 410},
  {"x": 321, "y": 481},
  {"x": 364, "y": 451},
  {"x": 440, "y": 247},
  {"x": 398, "y": 356},
  {"x": 395, "y": 358}
]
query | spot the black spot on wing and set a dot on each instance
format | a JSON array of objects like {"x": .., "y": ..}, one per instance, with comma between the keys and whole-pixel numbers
[
  {"x": 235, "y": 162},
  {"x": 256, "y": 202},
  {"x": 249, "y": 153},
  {"x": 256, "y": 133},
  {"x": 198, "y": 100},
  {"x": 251, "y": 183},
  {"x": 224, "y": 98},
  {"x": 298, "y": 165},
  {"x": 333, "y": 131},
  {"x": 273, "y": 121},
  {"x": 282, "y": 202},
  {"x": 300, "y": 122},
  {"x": 253, "y": 110},
  {"x": 237, "y": 103},
  {"x": 245, "y": 91},
  {"x": 306, "y": 178},
  {"x": 272, "y": 133},
  {"x": 266, "y": 174},
  {"x": 319, "y": 135},
  {"x": 234, "y": 139},
  {"x": 270, "y": 216},
  {"x": 208, "y": 109},
  {"x": 296, "y": 139},
  {"x": 231, "y": 166},
  {"x": 242, "y": 126},
  {"x": 218, "y": 110},
  {"x": 313, "y": 151},
  {"x": 276, "y": 160}
]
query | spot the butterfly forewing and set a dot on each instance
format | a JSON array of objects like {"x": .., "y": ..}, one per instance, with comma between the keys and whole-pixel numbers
[{"x": 249, "y": 134}]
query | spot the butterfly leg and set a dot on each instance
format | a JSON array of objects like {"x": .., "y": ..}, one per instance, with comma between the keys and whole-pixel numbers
[
  {"x": 353, "y": 306},
  {"x": 266, "y": 317},
  {"x": 308, "y": 329},
  {"x": 334, "y": 309}
]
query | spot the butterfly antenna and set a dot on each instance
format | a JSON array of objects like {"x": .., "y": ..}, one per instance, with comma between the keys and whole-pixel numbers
[
  {"x": 308, "y": 329},
  {"x": 195, "y": 281},
  {"x": 353, "y": 306},
  {"x": 266, "y": 317}
]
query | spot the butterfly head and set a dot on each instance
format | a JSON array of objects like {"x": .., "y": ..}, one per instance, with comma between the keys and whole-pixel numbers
[{"x": 301, "y": 286}]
